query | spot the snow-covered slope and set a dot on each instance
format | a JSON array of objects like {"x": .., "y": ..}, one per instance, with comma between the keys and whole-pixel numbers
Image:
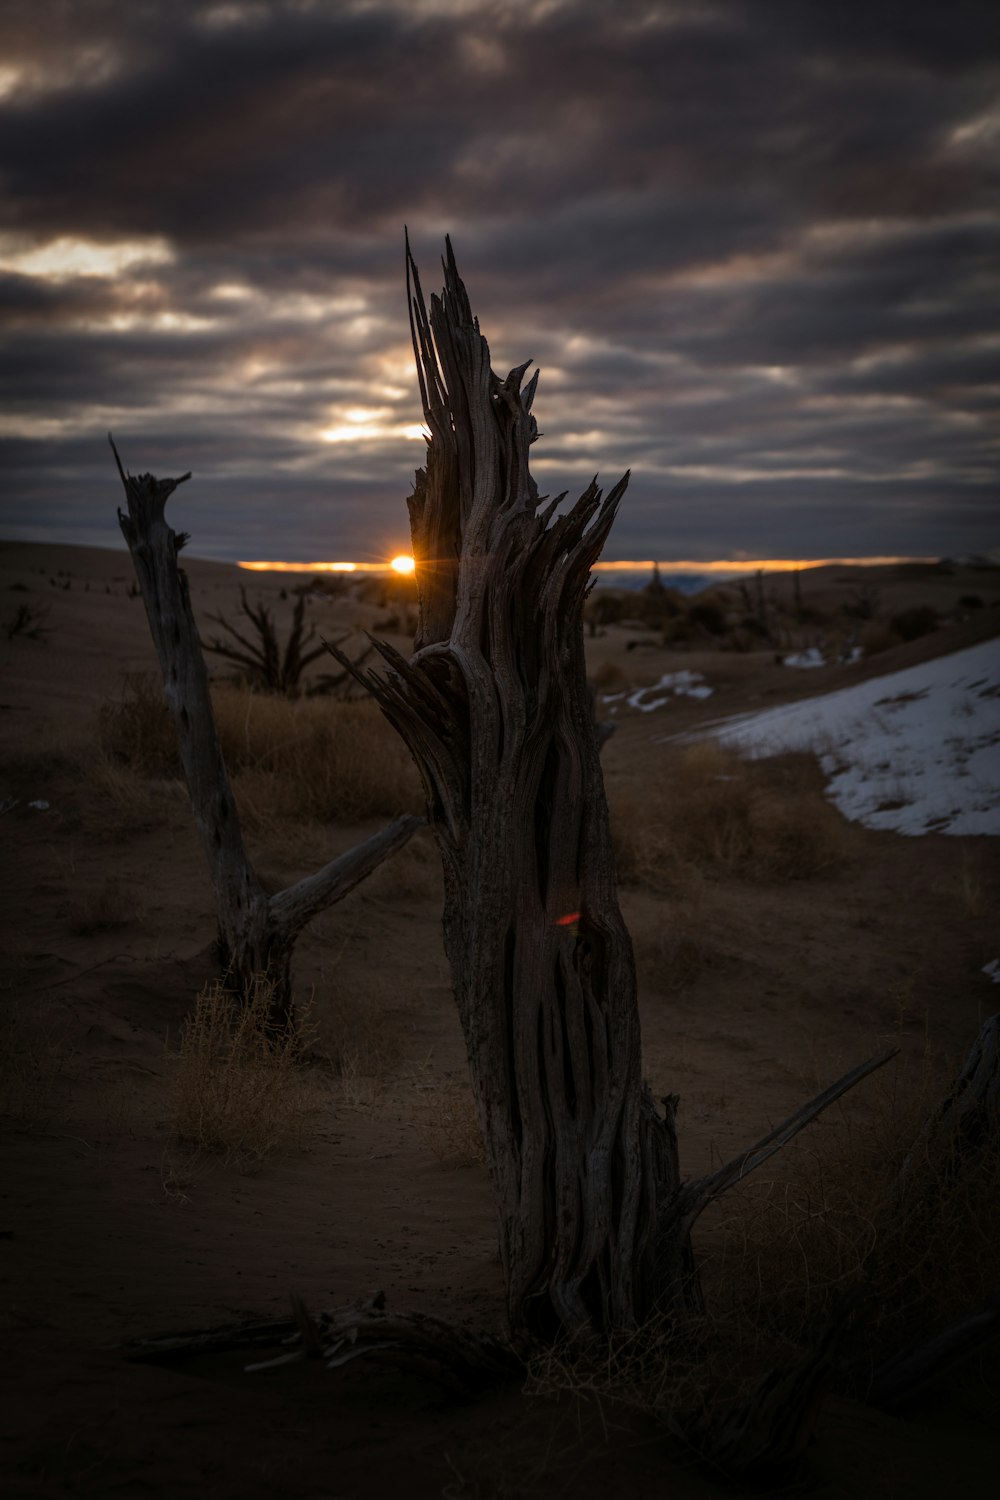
[{"x": 917, "y": 751}]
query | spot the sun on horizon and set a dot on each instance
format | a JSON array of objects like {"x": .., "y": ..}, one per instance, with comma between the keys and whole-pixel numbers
[{"x": 403, "y": 563}]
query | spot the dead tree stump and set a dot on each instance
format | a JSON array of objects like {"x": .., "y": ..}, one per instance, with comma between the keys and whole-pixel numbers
[{"x": 593, "y": 1218}]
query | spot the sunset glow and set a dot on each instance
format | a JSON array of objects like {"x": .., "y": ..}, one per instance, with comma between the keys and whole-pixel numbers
[{"x": 403, "y": 563}]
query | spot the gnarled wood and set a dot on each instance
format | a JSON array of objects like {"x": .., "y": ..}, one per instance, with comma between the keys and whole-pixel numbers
[
  {"x": 257, "y": 932},
  {"x": 495, "y": 707}
]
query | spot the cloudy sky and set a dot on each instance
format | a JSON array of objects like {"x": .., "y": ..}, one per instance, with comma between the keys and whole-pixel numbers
[{"x": 754, "y": 246}]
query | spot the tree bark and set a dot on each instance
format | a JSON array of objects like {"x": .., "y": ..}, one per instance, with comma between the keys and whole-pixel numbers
[{"x": 256, "y": 932}]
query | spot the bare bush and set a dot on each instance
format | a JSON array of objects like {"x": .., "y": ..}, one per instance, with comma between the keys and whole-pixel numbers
[
  {"x": 783, "y": 1251},
  {"x": 274, "y": 668}
]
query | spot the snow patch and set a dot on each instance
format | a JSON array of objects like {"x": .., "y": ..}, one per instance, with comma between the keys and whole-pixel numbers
[
  {"x": 683, "y": 684},
  {"x": 916, "y": 751}
]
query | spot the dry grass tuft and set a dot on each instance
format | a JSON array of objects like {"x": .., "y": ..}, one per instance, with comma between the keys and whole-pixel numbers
[
  {"x": 716, "y": 812},
  {"x": 299, "y": 759},
  {"x": 236, "y": 1083}
]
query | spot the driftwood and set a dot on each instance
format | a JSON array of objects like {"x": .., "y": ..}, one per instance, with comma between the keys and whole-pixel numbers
[
  {"x": 594, "y": 1219},
  {"x": 257, "y": 932},
  {"x": 464, "y": 1360}
]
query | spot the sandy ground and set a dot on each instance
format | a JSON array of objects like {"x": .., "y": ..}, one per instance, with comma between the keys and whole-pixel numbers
[{"x": 109, "y": 1230}]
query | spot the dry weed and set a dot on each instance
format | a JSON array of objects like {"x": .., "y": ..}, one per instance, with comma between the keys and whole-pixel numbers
[
  {"x": 313, "y": 759},
  {"x": 306, "y": 759},
  {"x": 968, "y": 893},
  {"x": 714, "y": 811},
  {"x": 236, "y": 1083}
]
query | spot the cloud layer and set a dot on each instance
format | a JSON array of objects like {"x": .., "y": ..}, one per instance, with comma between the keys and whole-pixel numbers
[{"x": 754, "y": 248}]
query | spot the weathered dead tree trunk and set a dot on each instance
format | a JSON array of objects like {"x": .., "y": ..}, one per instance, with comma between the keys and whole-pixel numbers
[
  {"x": 257, "y": 932},
  {"x": 594, "y": 1220}
]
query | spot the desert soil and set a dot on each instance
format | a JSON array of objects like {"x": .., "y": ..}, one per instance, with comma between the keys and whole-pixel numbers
[{"x": 111, "y": 1230}]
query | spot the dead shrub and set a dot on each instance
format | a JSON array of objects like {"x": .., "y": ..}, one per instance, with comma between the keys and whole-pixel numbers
[
  {"x": 236, "y": 1084},
  {"x": 713, "y": 810},
  {"x": 35, "y": 1066}
]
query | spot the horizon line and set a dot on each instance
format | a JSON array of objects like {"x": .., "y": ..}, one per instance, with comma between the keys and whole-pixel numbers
[{"x": 685, "y": 565}]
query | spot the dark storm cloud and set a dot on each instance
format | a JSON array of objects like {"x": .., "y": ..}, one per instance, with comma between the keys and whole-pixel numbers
[{"x": 753, "y": 247}]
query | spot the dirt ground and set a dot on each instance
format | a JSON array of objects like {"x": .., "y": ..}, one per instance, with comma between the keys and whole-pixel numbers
[{"x": 111, "y": 1230}]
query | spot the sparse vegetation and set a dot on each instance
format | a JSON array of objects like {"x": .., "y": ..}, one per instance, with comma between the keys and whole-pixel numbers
[
  {"x": 305, "y": 759},
  {"x": 29, "y": 622},
  {"x": 236, "y": 1081},
  {"x": 714, "y": 811}
]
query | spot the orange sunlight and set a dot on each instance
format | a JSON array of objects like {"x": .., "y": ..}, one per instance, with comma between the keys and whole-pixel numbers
[{"x": 403, "y": 563}]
